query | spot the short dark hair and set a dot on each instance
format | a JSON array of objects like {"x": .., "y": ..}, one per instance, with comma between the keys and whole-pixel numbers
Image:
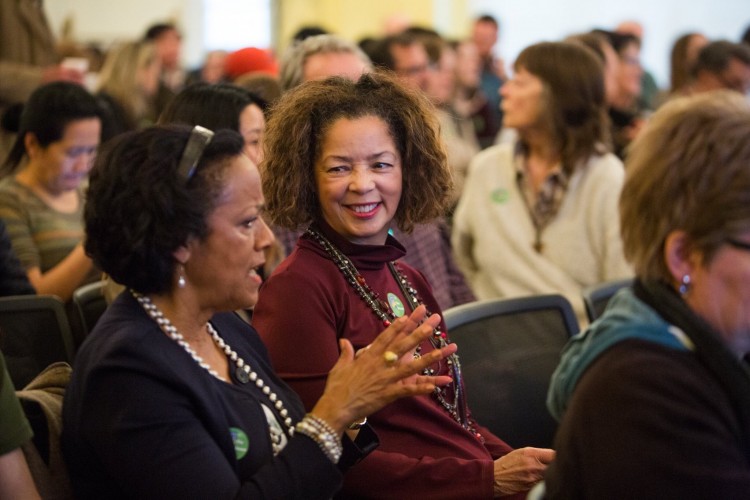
[
  {"x": 214, "y": 106},
  {"x": 619, "y": 41},
  {"x": 716, "y": 56},
  {"x": 381, "y": 54},
  {"x": 486, "y": 18},
  {"x": 139, "y": 211},
  {"x": 302, "y": 117},
  {"x": 157, "y": 30},
  {"x": 48, "y": 111}
]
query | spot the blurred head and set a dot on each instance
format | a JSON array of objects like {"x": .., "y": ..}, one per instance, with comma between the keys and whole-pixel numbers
[
  {"x": 145, "y": 216},
  {"x": 630, "y": 71},
  {"x": 468, "y": 65},
  {"x": 59, "y": 132},
  {"x": 694, "y": 153},
  {"x": 485, "y": 34},
  {"x": 319, "y": 57},
  {"x": 607, "y": 55},
  {"x": 131, "y": 75},
  {"x": 300, "y": 127},
  {"x": 558, "y": 92},
  {"x": 441, "y": 83},
  {"x": 213, "y": 66},
  {"x": 630, "y": 27},
  {"x": 684, "y": 54},
  {"x": 168, "y": 43},
  {"x": 221, "y": 106},
  {"x": 405, "y": 55},
  {"x": 722, "y": 65}
]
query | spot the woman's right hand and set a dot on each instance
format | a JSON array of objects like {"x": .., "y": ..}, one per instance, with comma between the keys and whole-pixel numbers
[
  {"x": 520, "y": 470},
  {"x": 355, "y": 388}
]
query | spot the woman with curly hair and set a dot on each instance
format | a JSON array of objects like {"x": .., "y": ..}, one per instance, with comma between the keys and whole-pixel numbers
[
  {"x": 540, "y": 216},
  {"x": 352, "y": 160}
]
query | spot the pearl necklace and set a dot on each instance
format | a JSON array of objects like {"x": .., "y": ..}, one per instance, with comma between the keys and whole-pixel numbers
[
  {"x": 243, "y": 372},
  {"x": 457, "y": 407}
]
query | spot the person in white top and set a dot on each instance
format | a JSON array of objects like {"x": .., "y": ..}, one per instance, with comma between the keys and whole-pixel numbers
[{"x": 540, "y": 216}]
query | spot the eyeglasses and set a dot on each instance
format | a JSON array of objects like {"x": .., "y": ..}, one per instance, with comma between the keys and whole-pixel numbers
[
  {"x": 742, "y": 245},
  {"x": 199, "y": 138}
]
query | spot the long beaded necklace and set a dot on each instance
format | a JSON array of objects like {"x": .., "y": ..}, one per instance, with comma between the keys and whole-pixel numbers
[
  {"x": 243, "y": 371},
  {"x": 455, "y": 406}
]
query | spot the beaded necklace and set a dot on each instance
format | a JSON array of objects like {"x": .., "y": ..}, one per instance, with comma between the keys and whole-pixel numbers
[
  {"x": 455, "y": 405},
  {"x": 243, "y": 371}
]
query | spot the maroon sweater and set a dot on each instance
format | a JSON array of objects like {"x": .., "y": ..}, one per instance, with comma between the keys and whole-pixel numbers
[{"x": 304, "y": 308}]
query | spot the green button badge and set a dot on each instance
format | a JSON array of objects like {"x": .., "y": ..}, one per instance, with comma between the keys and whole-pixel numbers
[
  {"x": 396, "y": 305},
  {"x": 499, "y": 195},
  {"x": 241, "y": 443}
]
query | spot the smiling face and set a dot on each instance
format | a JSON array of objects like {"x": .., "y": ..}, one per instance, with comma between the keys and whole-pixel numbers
[
  {"x": 358, "y": 179},
  {"x": 252, "y": 127},
  {"x": 62, "y": 165},
  {"x": 522, "y": 100},
  {"x": 222, "y": 266}
]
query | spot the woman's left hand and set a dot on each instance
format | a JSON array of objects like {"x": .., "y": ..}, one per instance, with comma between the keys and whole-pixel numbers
[{"x": 521, "y": 469}]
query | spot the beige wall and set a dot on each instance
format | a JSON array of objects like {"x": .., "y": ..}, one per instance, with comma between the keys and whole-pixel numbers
[{"x": 357, "y": 19}]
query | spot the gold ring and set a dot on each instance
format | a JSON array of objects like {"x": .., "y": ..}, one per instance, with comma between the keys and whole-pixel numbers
[{"x": 390, "y": 357}]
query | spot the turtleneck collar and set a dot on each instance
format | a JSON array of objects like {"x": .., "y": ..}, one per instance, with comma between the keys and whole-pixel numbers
[{"x": 364, "y": 257}]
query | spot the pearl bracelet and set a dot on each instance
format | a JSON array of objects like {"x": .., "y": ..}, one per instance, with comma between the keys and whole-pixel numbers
[{"x": 319, "y": 431}]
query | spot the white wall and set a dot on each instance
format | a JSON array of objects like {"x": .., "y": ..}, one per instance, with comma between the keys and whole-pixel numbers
[{"x": 524, "y": 22}]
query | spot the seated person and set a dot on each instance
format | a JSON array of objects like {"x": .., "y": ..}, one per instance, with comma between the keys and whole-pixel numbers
[
  {"x": 654, "y": 398},
  {"x": 41, "y": 198}
]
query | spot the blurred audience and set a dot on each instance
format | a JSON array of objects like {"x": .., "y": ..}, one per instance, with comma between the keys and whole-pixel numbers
[{"x": 404, "y": 54}]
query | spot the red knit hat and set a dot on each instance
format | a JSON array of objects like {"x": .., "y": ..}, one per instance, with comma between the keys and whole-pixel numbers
[{"x": 250, "y": 60}]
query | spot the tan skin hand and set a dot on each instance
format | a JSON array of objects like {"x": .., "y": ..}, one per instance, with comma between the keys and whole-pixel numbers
[
  {"x": 358, "y": 387},
  {"x": 520, "y": 470}
]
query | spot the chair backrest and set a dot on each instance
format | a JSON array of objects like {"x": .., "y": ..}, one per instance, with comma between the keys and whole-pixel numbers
[
  {"x": 596, "y": 297},
  {"x": 34, "y": 333},
  {"x": 508, "y": 349},
  {"x": 89, "y": 304}
]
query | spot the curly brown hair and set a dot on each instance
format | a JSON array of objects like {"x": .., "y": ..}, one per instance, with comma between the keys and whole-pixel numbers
[{"x": 297, "y": 128}]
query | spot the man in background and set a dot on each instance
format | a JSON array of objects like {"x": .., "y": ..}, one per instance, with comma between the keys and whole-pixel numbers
[{"x": 489, "y": 118}]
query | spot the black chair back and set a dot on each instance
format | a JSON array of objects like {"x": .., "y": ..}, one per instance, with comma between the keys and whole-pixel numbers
[
  {"x": 88, "y": 306},
  {"x": 34, "y": 333},
  {"x": 508, "y": 350},
  {"x": 596, "y": 297}
]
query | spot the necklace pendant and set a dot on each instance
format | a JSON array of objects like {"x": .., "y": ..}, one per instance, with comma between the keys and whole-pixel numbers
[
  {"x": 242, "y": 375},
  {"x": 538, "y": 246}
]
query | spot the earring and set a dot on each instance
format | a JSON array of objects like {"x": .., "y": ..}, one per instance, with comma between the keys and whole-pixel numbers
[
  {"x": 181, "y": 278},
  {"x": 685, "y": 285}
]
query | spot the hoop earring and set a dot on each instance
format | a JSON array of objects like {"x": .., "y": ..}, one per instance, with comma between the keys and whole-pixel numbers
[
  {"x": 684, "y": 285},
  {"x": 181, "y": 278}
]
